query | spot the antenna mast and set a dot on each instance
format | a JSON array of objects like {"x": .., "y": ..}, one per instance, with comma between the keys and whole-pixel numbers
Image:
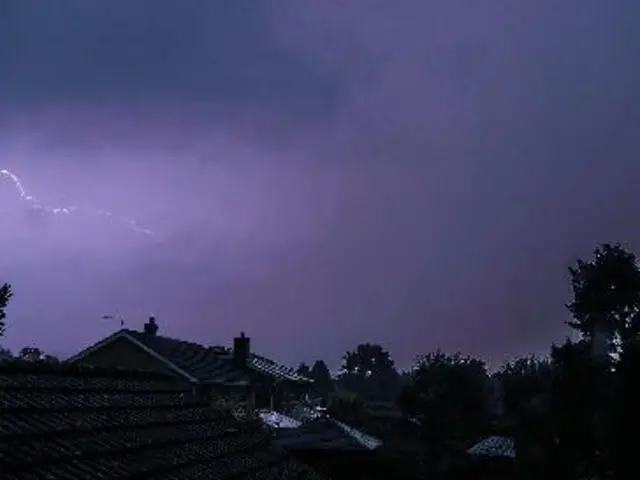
[{"x": 114, "y": 317}]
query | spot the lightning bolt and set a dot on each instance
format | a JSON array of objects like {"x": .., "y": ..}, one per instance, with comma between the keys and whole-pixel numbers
[{"x": 31, "y": 200}]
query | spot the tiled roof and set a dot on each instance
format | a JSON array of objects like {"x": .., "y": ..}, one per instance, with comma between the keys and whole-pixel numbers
[
  {"x": 269, "y": 367},
  {"x": 73, "y": 422},
  {"x": 367, "y": 441},
  {"x": 396, "y": 433},
  {"x": 303, "y": 412},
  {"x": 494, "y": 447},
  {"x": 386, "y": 409},
  {"x": 326, "y": 433},
  {"x": 205, "y": 364},
  {"x": 278, "y": 420}
]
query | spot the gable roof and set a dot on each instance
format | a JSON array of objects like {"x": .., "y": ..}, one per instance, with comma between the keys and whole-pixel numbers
[
  {"x": 495, "y": 446},
  {"x": 70, "y": 421},
  {"x": 278, "y": 420},
  {"x": 199, "y": 363},
  {"x": 383, "y": 409},
  {"x": 326, "y": 433}
]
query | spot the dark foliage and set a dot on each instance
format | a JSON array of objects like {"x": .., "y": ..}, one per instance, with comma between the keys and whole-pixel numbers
[
  {"x": 323, "y": 384},
  {"x": 304, "y": 370},
  {"x": 522, "y": 382},
  {"x": 5, "y": 296},
  {"x": 625, "y": 418},
  {"x": 34, "y": 354},
  {"x": 606, "y": 293},
  {"x": 347, "y": 408},
  {"x": 369, "y": 371},
  {"x": 578, "y": 408},
  {"x": 588, "y": 410},
  {"x": 449, "y": 396}
]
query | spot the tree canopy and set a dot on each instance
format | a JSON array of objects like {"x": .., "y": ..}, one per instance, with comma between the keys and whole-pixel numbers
[
  {"x": 5, "y": 296},
  {"x": 322, "y": 377},
  {"x": 304, "y": 370},
  {"x": 34, "y": 354},
  {"x": 606, "y": 294},
  {"x": 5, "y": 353},
  {"x": 590, "y": 406},
  {"x": 522, "y": 381},
  {"x": 625, "y": 421},
  {"x": 449, "y": 395},
  {"x": 367, "y": 359},
  {"x": 370, "y": 371},
  {"x": 577, "y": 406}
]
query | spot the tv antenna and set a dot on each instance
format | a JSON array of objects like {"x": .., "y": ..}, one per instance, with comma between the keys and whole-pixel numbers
[{"x": 114, "y": 317}]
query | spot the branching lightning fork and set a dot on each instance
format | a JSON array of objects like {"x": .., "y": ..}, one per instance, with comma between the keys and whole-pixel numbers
[{"x": 31, "y": 200}]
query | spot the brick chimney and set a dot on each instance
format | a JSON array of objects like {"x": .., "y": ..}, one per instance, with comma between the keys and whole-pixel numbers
[
  {"x": 241, "y": 349},
  {"x": 151, "y": 327}
]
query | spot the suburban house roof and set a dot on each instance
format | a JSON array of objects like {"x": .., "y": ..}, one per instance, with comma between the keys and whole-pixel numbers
[
  {"x": 383, "y": 409},
  {"x": 196, "y": 362},
  {"x": 275, "y": 419},
  {"x": 495, "y": 446},
  {"x": 325, "y": 433},
  {"x": 73, "y": 421}
]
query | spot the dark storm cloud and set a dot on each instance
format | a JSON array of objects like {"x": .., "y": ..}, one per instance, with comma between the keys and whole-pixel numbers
[
  {"x": 221, "y": 56},
  {"x": 437, "y": 167}
]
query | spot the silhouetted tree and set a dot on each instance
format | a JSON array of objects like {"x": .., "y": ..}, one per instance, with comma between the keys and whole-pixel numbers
[
  {"x": 323, "y": 384},
  {"x": 522, "y": 381},
  {"x": 585, "y": 395},
  {"x": 370, "y": 371},
  {"x": 606, "y": 295},
  {"x": 50, "y": 358},
  {"x": 5, "y": 296},
  {"x": 524, "y": 390},
  {"x": 34, "y": 354},
  {"x": 5, "y": 353},
  {"x": 304, "y": 370},
  {"x": 625, "y": 422},
  {"x": 579, "y": 407},
  {"x": 448, "y": 395},
  {"x": 347, "y": 407},
  {"x": 31, "y": 354}
]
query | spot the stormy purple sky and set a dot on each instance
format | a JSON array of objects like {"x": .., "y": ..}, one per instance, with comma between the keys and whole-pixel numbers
[{"x": 318, "y": 173}]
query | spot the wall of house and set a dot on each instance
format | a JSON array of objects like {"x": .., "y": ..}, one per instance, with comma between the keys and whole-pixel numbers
[
  {"x": 284, "y": 394},
  {"x": 236, "y": 400},
  {"x": 122, "y": 353}
]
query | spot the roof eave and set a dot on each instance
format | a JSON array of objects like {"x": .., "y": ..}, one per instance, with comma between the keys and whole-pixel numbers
[{"x": 124, "y": 334}]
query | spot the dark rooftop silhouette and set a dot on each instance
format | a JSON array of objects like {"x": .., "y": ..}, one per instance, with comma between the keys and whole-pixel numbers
[{"x": 71, "y": 421}]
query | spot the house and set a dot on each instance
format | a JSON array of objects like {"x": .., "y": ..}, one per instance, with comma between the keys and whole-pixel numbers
[
  {"x": 78, "y": 422},
  {"x": 494, "y": 446},
  {"x": 226, "y": 376},
  {"x": 332, "y": 448},
  {"x": 278, "y": 420},
  {"x": 341, "y": 451},
  {"x": 326, "y": 433},
  {"x": 491, "y": 458},
  {"x": 382, "y": 409}
]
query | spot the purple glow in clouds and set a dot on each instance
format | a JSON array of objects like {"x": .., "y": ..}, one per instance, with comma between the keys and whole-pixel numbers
[{"x": 418, "y": 174}]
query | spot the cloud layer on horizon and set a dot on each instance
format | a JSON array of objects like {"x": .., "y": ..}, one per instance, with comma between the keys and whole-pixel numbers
[{"x": 419, "y": 175}]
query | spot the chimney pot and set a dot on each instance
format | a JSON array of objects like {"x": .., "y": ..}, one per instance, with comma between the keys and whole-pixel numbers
[
  {"x": 241, "y": 349},
  {"x": 151, "y": 327}
]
